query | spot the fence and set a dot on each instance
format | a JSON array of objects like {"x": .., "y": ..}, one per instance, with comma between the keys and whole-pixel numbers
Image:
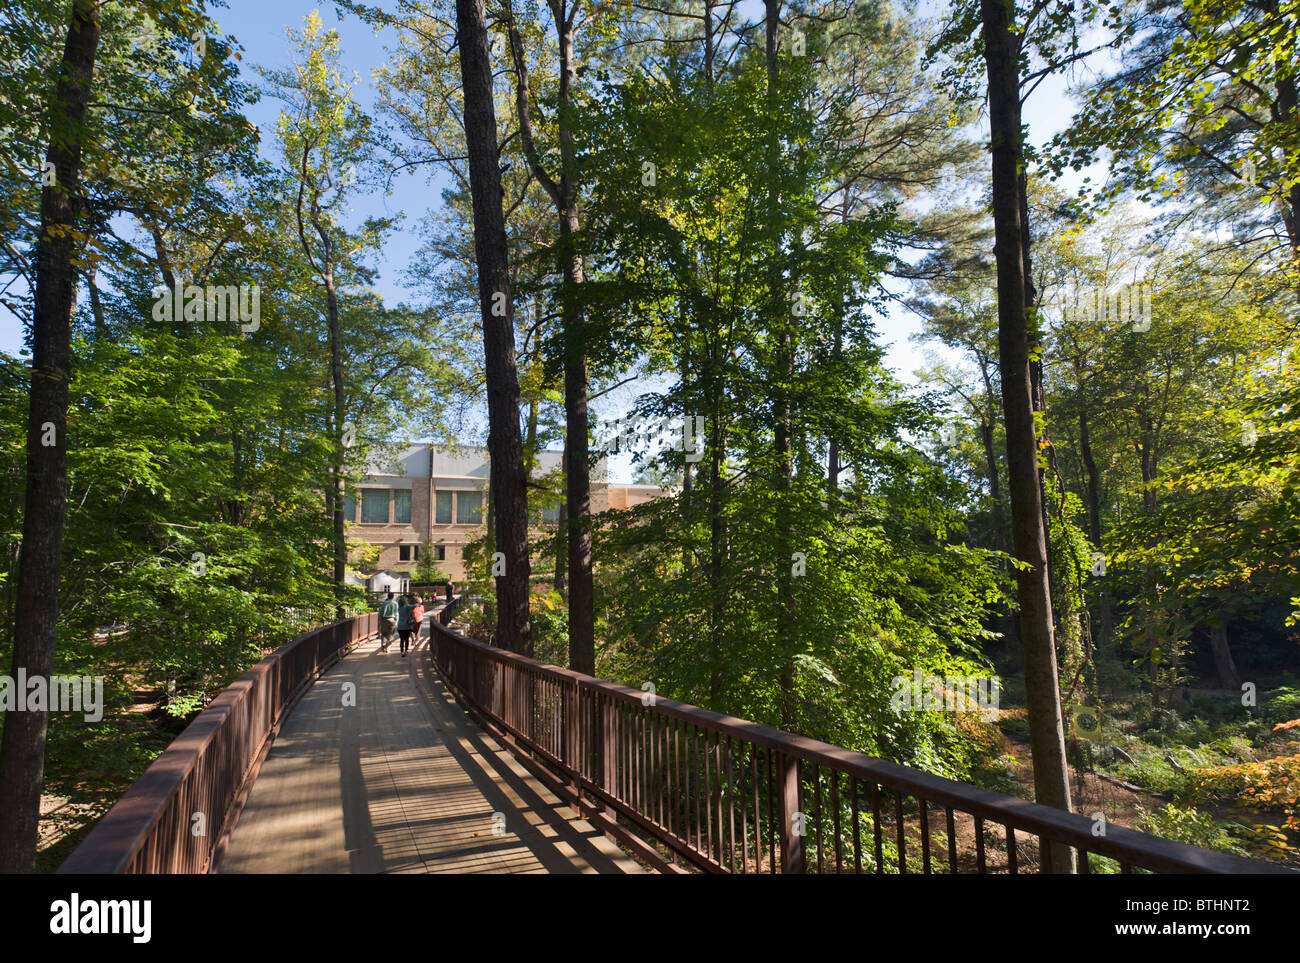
[
  {"x": 448, "y": 611},
  {"x": 179, "y": 815},
  {"x": 305, "y": 618},
  {"x": 677, "y": 782}
]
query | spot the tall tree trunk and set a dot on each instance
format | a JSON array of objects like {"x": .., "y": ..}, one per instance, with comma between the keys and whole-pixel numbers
[
  {"x": 337, "y": 468},
  {"x": 1006, "y": 621},
  {"x": 688, "y": 401},
  {"x": 582, "y": 616},
  {"x": 687, "y": 503},
  {"x": 165, "y": 268},
  {"x": 577, "y": 474},
  {"x": 1224, "y": 664},
  {"x": 1046, "y": 731},
  {"x": 562, "y": 535},
  {"x": 1147, "y": 464},
  {"x": 1093, "y": 484},
  {"x": 782, "y": 430},
  {"x": 22, "y": 749},
  {"x": 505, "y": 446},
  {"x": 995, "y": 486},
  {"x": 563, "y": 193},
  {"x": 1037, "y": 391},
  {"x": 1284, "y": 112},
  {"x": 833, "y": 466},
  {"x": 530, "y": 435},
  {"x": 237, "y": 479},
  {"x": 717, "y": 543},
  {"x": 336, "y": 492},
  {"x": 714, "y": 387},
  {"x": 96, "y": 305},
  {"x": 562, "y": 551},
  {"x": 708, "y": 43}
]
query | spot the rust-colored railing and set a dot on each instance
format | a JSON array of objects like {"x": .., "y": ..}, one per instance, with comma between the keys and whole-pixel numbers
[
  {"x": 178, "y": 816},
  {"x": 676, "y": 782}
]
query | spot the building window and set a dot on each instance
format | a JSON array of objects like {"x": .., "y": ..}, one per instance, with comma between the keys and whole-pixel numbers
[
  {"x": 440, "y": 553},
  {"x": 349, "y": 508},
  {"x": 469, "y": 508},
  {"x": 402, "y": 506},
  {"x": 551, "y": 516},
  {"x": 408, "y": 553},
  {"x": 374, "y": 506},
  {"x": 443, "y": 508}
]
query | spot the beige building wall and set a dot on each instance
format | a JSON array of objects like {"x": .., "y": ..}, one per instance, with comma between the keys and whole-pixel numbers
[{"x": 461, "y": 476}]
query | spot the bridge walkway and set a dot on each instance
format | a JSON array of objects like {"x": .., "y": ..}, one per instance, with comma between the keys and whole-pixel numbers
[{"x": 403, "y": 781}]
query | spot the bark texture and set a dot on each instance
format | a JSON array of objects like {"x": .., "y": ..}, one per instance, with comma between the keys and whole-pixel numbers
[
  {"x": 1029, "y": 537},
  {"x": 22, "y": 750},
  {"x": 505, "y": 443}
]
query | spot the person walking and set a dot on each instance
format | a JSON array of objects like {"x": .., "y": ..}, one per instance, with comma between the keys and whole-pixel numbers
[
  {"x": 417, "y": 620},
  {"x": 387, "y": 621},
  {"x": 445, "y": 615},
  {"x": 404, "y": 622}
]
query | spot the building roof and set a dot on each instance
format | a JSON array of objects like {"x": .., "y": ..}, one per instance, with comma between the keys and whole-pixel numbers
[{"x": 464, "y": 463}]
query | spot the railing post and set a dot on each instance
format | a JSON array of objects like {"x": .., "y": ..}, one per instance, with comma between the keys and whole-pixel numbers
[
  {"x": 568, "y": 725},
  {"x": 791, "y": 814},
  {"x": 573, "y": 731},
  {"x": 608, "y": 748}
]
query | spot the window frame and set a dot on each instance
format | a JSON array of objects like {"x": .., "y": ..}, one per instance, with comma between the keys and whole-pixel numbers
[
  {"x": 476, "y": 501},
  {"x": 388, "y": 503},
  {"x": 397, "y": 492},
  {"x": 437, "y": 504}
]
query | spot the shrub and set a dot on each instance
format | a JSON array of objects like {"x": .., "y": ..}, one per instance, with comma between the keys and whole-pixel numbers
[
  {"x": 1189, "y": 826},
  {"x": 1271, "y": 784},
  {"x": 1282, "y": 705}
]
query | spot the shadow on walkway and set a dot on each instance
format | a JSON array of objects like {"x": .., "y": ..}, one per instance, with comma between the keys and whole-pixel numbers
[{"x": 378, "y": 770}]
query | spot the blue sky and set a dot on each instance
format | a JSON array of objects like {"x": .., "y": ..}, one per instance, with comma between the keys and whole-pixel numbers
[{"x": 261, "y": 27}]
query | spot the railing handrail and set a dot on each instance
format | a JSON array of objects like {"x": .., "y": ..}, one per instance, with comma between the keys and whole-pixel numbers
[
  {"x": 210, "y": 764},
  {"x": 1130, "y": 847}
]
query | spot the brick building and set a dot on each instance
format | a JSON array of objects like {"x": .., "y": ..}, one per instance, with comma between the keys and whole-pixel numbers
[{"x": 439, "y": 496}]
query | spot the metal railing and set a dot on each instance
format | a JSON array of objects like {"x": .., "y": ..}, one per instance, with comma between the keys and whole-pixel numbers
[
  {"x": 178, "y": 817},
  {"x": 446, "y": 613},
  {"x": 677, "y": 782}
]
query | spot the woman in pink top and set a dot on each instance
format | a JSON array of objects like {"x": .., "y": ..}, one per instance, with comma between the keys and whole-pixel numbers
[{"x": 417, "y": 622}]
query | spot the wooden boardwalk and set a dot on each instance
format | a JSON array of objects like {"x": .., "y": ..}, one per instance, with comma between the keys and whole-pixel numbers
[{"x": 403, "y": 782}]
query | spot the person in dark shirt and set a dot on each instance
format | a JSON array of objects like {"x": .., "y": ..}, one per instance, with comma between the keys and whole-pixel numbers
[
  {"x": 388, "y": 609},
  {"x": 404, "y": 622}
]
